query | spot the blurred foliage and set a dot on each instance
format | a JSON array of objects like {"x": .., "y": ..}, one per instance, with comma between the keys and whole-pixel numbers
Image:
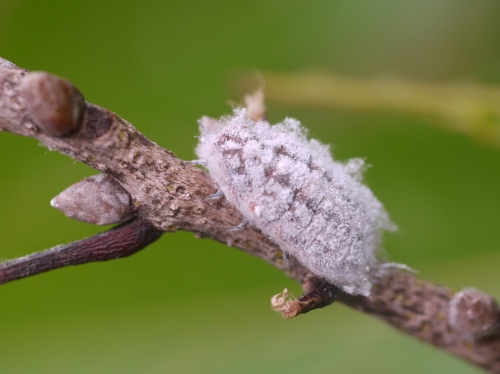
[
  {"x": 465, "y": 107},
  {"x": 190, "y": 306}
]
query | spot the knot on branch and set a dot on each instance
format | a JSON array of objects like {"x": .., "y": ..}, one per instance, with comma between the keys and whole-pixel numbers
[{"x": 474, "y": 314}]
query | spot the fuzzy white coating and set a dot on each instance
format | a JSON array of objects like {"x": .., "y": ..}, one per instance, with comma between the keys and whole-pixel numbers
[{"x": 288, "y": 186}]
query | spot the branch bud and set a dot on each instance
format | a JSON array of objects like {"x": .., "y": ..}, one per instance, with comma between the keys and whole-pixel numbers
[
  {"x": 99, "y": 200},
  {"x": 54, "y": 104},
  {"x": 474, "y": 314}
]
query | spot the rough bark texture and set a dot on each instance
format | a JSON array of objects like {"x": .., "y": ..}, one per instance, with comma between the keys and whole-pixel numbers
[
  {"x": 122, "y": 241},
  {"x": 170, "y": 195},
  {"x": 421, "y": 309}
]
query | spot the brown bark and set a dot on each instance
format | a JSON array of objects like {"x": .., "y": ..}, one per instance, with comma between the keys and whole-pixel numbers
[{"x": 170, "y": 194}]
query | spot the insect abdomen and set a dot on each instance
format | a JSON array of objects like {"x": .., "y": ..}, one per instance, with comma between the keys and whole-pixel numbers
[{"x": 293, "y": 191}]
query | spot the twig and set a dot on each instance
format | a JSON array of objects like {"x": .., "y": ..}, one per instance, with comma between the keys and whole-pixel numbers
[
  {"x": 169, "y": 194},
  {"x": 422, "y": 309},
  {"x": 119, "y": 242}
]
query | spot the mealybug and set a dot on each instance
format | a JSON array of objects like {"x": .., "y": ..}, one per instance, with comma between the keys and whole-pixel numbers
[{"x": 289, "y": 187}]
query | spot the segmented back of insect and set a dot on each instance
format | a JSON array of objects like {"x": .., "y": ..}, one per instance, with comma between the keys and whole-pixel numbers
[{"x": 289, "y": 187}]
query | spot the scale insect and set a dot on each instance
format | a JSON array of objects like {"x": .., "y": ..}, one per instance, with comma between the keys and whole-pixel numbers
[{"x": 289, "y": 187}]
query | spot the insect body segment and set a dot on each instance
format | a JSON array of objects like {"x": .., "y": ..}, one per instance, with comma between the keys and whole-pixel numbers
[{"x": 289, "y": 187}]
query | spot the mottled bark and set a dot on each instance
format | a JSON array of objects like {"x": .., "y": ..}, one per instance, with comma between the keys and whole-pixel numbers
[{"x": 170, "y": 194}]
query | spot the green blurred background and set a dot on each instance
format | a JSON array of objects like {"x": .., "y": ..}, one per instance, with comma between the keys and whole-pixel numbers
[{"x": 186, "y": 305}]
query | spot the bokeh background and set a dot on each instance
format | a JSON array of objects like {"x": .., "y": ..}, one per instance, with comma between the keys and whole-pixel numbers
[{"x": 186, "y": 305}]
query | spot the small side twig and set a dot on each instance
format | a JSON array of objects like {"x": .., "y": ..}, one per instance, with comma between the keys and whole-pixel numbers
[
  {"x": 288, "y": 306},
  {"x": 121, "y": 241},
  {"x": 169, "y": 194}
]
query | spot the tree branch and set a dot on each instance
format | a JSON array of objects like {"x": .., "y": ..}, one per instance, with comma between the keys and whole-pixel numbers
[
  {"x": 169, "y": 194},
  {"x": 122, "y": 241}
]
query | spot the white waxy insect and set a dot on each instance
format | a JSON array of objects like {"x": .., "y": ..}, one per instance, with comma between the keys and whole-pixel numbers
[{"x": 289, "y": 187}]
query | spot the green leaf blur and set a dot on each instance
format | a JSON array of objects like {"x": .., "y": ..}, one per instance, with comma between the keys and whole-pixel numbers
[{"x": 186, "y": 305}]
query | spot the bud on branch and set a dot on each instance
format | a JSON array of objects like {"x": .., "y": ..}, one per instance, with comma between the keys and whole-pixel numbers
[{"x": 169, "y": 194}]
